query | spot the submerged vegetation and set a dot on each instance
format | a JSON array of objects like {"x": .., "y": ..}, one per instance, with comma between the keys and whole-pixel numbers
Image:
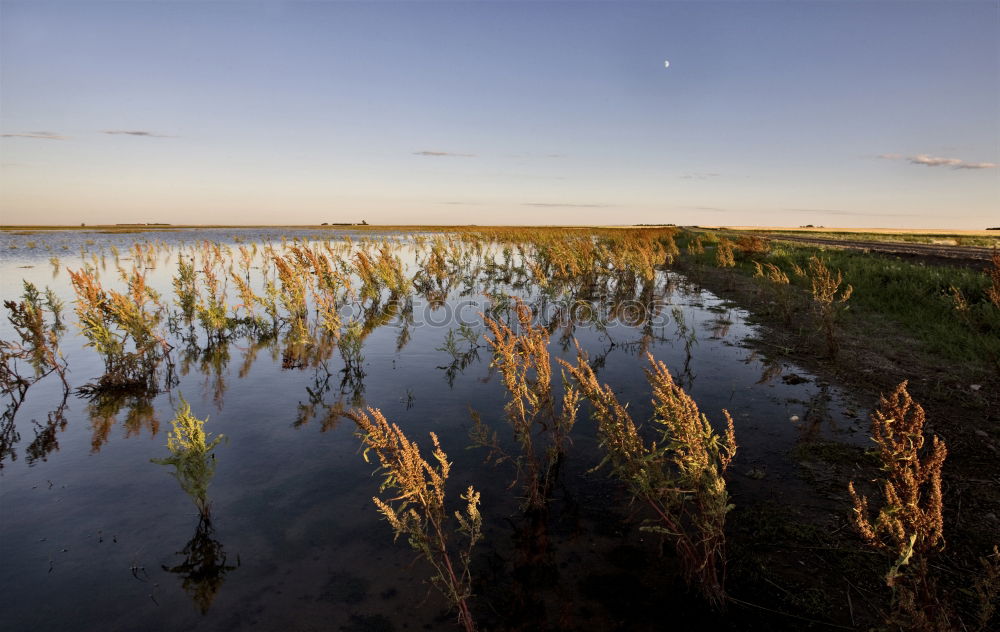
[
  {"x": 205, "y": 566},
  {"x": 679, "y": 475},
  {"x": 526, "y": 370},
  {"x": 312, "y": 307}
]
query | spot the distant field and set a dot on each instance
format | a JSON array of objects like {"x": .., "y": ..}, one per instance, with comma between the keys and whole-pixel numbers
[
  {"x": 873, "y": 231},
  {"x": 943, "y": 237},
  {"x": 137, "y": 228}
]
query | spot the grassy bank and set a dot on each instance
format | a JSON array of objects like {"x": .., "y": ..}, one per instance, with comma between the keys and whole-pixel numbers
[{"x": 941, "y": 314}]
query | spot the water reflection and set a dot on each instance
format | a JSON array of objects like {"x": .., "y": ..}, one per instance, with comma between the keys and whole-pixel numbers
[
  {"x": 204, "y": 567},
  {"x": 46, "y": 438},
  {"x": 316, "y": 405},
  {"x": 103, "y": 410}
]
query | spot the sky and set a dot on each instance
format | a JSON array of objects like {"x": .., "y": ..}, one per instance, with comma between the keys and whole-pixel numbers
[{"x": 851, "y": 114}]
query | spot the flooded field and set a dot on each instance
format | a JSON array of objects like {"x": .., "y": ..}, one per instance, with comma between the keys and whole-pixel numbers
[{"x": 272, "y": 335}]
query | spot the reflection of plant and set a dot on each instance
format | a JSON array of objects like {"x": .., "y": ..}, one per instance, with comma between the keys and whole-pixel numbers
[
  {"x": 679, "y": 476},
  {"x": 204, "y": 568},
  {"x": 461, "y": 357},
  {"x": 419, "y": 513},
  {"x": 353, "y": 373},
  {"x": 191, "y": 456}
]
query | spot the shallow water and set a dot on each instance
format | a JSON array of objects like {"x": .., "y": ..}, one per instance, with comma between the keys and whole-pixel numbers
[{"x": 94, "y": 534}]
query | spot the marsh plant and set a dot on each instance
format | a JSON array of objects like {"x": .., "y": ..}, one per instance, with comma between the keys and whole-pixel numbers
[
  {"x": 124, "y": 328},
  {"x": 908, "y": 522},
  {"x": 828, "y": 298},
  {"x": 417, "y": 508},
  {"x": 724, "y": 254},
  {"x": 993, "y": 292},
  {"x": 37, "y": 346},
  {"x": 191, "y": 455},
  {"x": 695, "y": 247},
  {"x": 541, "y": 431},
  {"x": 679, "y": 475},
  {"x": 778, "y": 282},
  {"x": 37, "y": 343}
]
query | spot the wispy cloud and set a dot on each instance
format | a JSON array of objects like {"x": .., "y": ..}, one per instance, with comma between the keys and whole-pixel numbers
[
  {"x": 443, "y": 154},
  {"x": 937, "y": 161},
  {"x": 564, "y": 205},
  {"x": 135, "y": 132},
  {"x": 40, "y": 135},
  {"x": 699, "y": 176},
  {"x": 977, "y": 165}
]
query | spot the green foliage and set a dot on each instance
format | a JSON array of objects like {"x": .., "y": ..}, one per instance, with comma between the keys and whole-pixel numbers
[
  {"x": 186, "y": 288},
  {"x": 191, "y": 455}
]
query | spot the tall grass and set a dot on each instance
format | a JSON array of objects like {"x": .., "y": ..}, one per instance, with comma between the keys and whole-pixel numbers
[
  {"x": 124, "y": 328},
  {"x": 418, "y": 508},
  {"x": 993, "y": 292},
  {"x": 828, "y": 297},
  {"x": 680, "y": 475}
]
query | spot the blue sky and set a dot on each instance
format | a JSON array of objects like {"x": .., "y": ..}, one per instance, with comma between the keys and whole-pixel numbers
[{"x": 771, "y": 113}]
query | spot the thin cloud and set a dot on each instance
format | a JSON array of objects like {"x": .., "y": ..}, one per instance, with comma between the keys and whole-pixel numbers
[
  {"x": 135, "y": 132},
  {"x": 977, "y": 165},
  {"x": 40, "y": 135},
  {"x": 699, "y": 176},
  {"x": 933, "y": 161},
  {"x": 938, "y": 161},
  {"x": 564, "y": 205},
  {"x": 442, "y": 153}
]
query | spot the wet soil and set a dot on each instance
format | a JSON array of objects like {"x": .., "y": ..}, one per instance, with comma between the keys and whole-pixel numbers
[{"x": 962, "y": 407}]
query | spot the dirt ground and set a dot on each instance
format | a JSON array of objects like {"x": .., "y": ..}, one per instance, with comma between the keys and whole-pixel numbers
[{"x": 874, "y": 357}]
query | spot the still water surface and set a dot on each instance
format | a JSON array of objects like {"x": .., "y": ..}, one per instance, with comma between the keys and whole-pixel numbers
[{"x": 95, "y": 536}]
